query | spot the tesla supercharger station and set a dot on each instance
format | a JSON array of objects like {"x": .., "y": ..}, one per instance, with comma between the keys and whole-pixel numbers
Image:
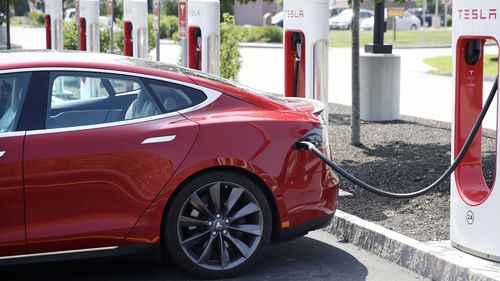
[
  {"x": 474, "y": 223},
  {"x": 204, "y": 35},
  {"x": 135, "y": 28},
  {"x": 89, "y": 25},
  {"x": 306, "y": 49},
  {"x": 54, "y": 24}
]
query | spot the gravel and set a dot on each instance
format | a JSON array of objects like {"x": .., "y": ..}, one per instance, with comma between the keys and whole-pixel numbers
[{"x": 400, "y": 156}]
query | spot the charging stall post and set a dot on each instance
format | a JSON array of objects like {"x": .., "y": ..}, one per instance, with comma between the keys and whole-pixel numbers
[
  {"x": 474, "y": 225},
  {"x": 89, "y": 25},
  {"x": 54, "y": 24},
  {"x": 204, "y": 35},
  {"x": 135, "y": 28},
  {"x": 305, "y": 30}
]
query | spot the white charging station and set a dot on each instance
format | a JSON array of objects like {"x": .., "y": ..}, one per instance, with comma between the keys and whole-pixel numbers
[
  {"x": 204, "y": 35},
  {"x": 305, "y": 30},
  {"x": 54, "y": 24},
  {"x": 135, "y": 28},
  {"x": 89, "y": 25},
  {"x": 474, "y": 225}
]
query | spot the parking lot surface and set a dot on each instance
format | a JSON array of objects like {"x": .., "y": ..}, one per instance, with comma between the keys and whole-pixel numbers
[{"x": 318, "y": 256}]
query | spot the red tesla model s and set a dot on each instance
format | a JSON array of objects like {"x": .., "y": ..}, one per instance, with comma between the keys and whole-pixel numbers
[{"x": 104, "y": 155}]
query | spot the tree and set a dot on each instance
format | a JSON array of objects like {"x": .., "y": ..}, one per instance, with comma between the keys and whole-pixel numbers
[
  {"x": 356, "y": 88},
  {"x": 355, "y": 122}
]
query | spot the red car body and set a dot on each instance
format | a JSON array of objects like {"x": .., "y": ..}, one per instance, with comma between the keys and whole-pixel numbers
[{"x": 103, "y": 188}]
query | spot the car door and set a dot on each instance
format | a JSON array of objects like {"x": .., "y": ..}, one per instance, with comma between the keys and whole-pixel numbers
[
  {"x": 13, "y": 89},
  {"x": 106, "y": 150},
  {"x": 404, "y": 22}
]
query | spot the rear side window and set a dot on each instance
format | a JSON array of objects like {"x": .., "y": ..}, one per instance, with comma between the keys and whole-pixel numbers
[
  {"x": 124, "y": 86},
  {"x": 81, "y": 99},
  {"x": 175, "y": 97},
  {"x": 13, "y": 89},
  {"x": 72, "y": 88}
]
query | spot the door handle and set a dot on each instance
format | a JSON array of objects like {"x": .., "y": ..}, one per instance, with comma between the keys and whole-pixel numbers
[
  {"x": 2, "y": 153},
  {"x": 159, "y": 139}
]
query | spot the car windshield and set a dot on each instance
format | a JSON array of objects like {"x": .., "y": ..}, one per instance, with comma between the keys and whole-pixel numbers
[
  {"x": 345, "y": 14},
  {"x": 231, "y": 83}
]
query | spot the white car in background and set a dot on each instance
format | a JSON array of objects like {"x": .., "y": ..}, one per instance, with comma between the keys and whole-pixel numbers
[
  {"x": 343, "y": 19},
  {"x": 406, "y": 22},
  {"x": 69, "y": 14}
]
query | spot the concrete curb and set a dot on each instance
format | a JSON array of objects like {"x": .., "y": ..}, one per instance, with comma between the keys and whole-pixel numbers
[{"x": 434, "y": 260}]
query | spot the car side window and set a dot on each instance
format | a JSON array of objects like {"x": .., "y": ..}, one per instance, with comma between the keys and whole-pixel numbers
[
  {"x": 365, "y": 15},
  {"x": 174, "y": 97},
  {"x": 81, "y": 99},
  {"x": 13, "y": 88}
]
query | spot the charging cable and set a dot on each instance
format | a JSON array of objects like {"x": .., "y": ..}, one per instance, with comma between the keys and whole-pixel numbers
[
  {"x": 310, "y": 146},
  {"x": 197, "y": 36},
  {"x": 297, "y": 45}
]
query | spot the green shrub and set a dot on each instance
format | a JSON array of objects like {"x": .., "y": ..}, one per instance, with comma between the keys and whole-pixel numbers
[
  {"x": 168, "y": 26},
  {"x": 36, "y": 19},
  {"x": 118, "y": 37},
  {"x": 230, "y": 58},
  {"x": 71, "y": 39},
  {"x": 266, "y": 34},
  {"x": 70, "y": 36},
  {"x": 272, "y": 34},
  {"x": 176, "y": 37},
  {"x": 105, "y": 39}
]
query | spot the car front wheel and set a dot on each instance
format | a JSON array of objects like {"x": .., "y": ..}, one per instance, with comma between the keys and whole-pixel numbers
[{"x": 218, "y": 225}]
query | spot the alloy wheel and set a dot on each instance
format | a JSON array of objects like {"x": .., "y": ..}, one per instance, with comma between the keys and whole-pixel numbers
[{"x": 220, "y": 226}]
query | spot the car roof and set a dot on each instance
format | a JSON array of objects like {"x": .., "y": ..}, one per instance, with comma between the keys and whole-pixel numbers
[{"x": 75, "y": 59}]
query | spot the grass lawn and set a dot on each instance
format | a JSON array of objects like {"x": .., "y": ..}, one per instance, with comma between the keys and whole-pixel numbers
[
  {"x": 16, "y": 21},
  {"x": 404, "y": 38},
  {"x": 443, "y": 65}
]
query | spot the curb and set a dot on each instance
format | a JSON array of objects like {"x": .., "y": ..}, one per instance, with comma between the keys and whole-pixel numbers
[{"x": 434, "y": 260}]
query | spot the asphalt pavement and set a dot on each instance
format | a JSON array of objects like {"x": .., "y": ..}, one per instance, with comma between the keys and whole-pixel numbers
[{"x": 318, "y": 256}]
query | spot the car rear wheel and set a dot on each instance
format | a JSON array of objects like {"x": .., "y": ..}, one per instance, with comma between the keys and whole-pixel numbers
[
  {"x": 218, "y": 225},
  {"x": 413, "y": 27}
]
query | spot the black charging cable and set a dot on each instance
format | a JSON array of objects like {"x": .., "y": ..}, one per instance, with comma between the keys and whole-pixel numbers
[
  {"x": 310, "y": 146},
  {"x": 197, "y": 38},
  {"x": 297, "y": 46}
]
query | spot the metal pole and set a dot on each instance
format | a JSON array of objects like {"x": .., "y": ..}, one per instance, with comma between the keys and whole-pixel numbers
[
  {"x": 446, "y": 15},
  {"x": 111, "y": 31},
  {"x": 184, "y": 52},
  {"x": 436, "y": 10},
  {"x": 7, "y": 12},
  {"x": 158, "y": 33},
  {"x": 394, "y": 28},
  {"x": 424, "y": 13},
  {"x": 77, "y": 21},
  {"x": 378, "y": 28}
]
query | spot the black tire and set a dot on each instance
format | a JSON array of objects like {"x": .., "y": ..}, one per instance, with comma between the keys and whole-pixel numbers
[
  {"x": 218, "y": 253},
  {"x": 413, "y": 27}
]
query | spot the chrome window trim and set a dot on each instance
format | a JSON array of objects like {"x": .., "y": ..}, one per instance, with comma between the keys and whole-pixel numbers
[
  {"x": 12, "y": 134},
  {"x": 58, "y": 253},
  {"x": 212, "y": 95},
  {"x": 101, "y": 126}
]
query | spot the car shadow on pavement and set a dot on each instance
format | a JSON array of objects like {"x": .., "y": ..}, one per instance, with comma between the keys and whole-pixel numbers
[{"x": 301, "y": 259}]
